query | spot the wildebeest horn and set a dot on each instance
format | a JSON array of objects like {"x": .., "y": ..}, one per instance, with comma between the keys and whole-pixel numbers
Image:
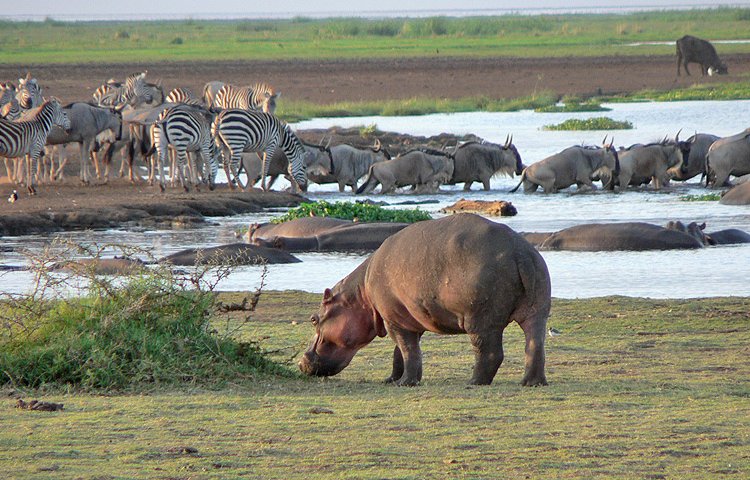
[
  {"x": 320, "y": 144},
  {"x": 507, "y": 140},
  {"x": 376, "y": 146},
  {"x": 329, "y": 141},
  {"x": 677, "y": 137}
]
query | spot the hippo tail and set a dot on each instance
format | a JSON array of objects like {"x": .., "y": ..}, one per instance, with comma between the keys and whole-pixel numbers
[
  {"x": 523, "y": 177},
  {"x": 536, "y": 287},
  {"x": 370, "y": 180}
]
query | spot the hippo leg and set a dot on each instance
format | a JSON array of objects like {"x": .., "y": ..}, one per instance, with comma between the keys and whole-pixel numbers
[
  {"x": 398, "y": 366},
  {"x": 407, "y": 344},
  {"x": 488, "y": 356},
  {"x": 534, "y": 330}
]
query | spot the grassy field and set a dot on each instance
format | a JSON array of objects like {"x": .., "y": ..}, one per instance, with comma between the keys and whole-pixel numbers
[
  {"x": 512, "y": 35},
  {"x": 638, "y": 389}
]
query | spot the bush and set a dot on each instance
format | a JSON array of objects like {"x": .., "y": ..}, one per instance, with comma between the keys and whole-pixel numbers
[
  {"x": 596, "y": 123},
  {"x": 362, "y": 212},
  {"x": 177, "y": 41},
  {"x": 151, "y": 328}
]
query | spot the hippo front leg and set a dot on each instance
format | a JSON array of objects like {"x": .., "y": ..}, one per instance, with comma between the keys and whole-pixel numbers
[
  {"x": 407, "y": 358},
  {"x": 488, "y": 356}
]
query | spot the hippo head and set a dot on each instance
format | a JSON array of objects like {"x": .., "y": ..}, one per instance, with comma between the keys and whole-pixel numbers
[{"x": 343, "y": 325}]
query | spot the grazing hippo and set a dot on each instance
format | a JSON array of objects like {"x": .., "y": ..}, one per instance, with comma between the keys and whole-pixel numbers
[
  {"x": 636, "y": 236},
  {"x": 232, "y": 254},
  {"x": 352, "y": 237},
  {"x": 458, "y": 274},
  {"x": 739, "y": 195}
]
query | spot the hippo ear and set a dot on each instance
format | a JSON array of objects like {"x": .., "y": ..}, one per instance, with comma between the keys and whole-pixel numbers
[
  {"x": 327, "y": 296},
  {"x": 702, "y": 226}
]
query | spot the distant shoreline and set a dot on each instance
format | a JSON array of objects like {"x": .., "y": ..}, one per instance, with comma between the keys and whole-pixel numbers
[{"x": 372, "y": 14}]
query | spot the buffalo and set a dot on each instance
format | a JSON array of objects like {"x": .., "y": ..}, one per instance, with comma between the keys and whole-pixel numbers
[{"x": 695, "y": 50}]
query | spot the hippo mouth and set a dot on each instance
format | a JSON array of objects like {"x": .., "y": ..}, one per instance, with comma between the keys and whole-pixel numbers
[{"x": 315, "y": 366}]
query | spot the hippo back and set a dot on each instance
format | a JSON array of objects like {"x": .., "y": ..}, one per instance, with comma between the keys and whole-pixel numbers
[{"x": 636, "y": 236}]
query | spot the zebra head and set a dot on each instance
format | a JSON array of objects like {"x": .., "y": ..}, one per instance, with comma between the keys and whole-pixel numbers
[
  {"x": 296, "y": 154},
  {"x": 29, "y": 92}
]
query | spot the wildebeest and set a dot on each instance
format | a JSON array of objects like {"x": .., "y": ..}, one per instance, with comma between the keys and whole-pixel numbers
[
  {"x": 650, "y": 163},
  {"x": 422, "y": 170},
  {"x": 279, "y": 165},
  {"x": 574, "y": 165},
  {"x": 346, "y": 165},
  {"x": 478, "y": 162},
  {"x": 695, "y": 50},
  {"x": 728, "y": 156},
  {"x": 695, "y": 163},
  {"x": 86, "y": 123}
]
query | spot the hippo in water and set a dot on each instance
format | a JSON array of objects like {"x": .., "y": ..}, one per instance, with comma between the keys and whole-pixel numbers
[{"x": 458, "y": 274}]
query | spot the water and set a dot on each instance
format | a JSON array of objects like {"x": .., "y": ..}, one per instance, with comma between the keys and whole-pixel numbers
[{"x": 714, "y": 271}]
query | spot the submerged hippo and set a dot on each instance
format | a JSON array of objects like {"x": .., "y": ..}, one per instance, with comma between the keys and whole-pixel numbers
[
  {"x": 232, "y": 254},
  {"x": 636, "y": 236},
  {"x": 352, "y": 237},
  {"x": 458, "y": 274}
]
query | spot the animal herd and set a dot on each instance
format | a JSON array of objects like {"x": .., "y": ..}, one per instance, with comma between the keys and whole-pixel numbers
[{"x": 184, "y": 138}]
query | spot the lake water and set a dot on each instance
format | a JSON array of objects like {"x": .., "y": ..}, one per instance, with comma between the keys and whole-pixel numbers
[{"x": 713, "y": 271}]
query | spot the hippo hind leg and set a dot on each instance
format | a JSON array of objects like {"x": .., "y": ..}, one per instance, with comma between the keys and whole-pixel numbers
[
  {"x": 533, "y": 322},
  {"x": 407, "y": 359},
  {"x": 488, "y": 356}
]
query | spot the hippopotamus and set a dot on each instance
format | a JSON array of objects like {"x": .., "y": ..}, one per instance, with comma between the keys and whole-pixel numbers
[
  {"x": 458, "y": 274},
  {"x": 298, "y": 227},
  {"x": 353, "y": 237},
  {"x": 101, "y": 266},
  {"x": 636, "y": 236},
  {"x": 233, "y": 253},
  {"x": 739, "y": 195},
  {"x": 728, "y": 236}
]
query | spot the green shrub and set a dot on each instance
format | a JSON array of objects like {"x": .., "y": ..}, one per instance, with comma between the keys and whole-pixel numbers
[
  {"x": 707, "y": 197},
  {"x": 151, "y": 328},
  {"x": 596, "y": 123},
  {"x": 362, "y": 212}
]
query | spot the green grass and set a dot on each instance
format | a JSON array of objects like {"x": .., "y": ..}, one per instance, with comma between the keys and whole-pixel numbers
[
  {"x": 708, "y": 197},
  {"x": 509, "y": 35},
  {"x": 638, "y": 389},
  {"x": 361, "y": 212},
  {"x": 596, "y": 123},
  {"x": 573, "y": 104}
]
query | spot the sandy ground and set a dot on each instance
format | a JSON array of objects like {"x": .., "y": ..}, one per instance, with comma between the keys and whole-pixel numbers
[{"x": 341, "y": 80}]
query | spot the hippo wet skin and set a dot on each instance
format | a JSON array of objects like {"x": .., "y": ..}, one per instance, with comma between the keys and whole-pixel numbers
[{"x": 459, "y": 274}]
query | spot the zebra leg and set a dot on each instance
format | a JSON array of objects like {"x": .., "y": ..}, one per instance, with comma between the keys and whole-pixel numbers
[
  {"x": 182, "y": 161},
  {"x": 11, "y": 176}
]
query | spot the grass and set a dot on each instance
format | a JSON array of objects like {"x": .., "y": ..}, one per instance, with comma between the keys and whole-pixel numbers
[
  {"x": 638, "y": 389},
  {"x": 708, "y": 197},
  {"x": 361, "y": 212},
  {"x": 596, "y": 123},
  {"x": 509, "y": 35}
]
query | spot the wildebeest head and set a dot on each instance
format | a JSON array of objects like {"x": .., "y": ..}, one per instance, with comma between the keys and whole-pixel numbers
[
  {"x": 509, "y": 146},
  {"x": 611, "y": 150},
  {"x": 719, "y": 69},
  {"x": 343, "y": 325}
]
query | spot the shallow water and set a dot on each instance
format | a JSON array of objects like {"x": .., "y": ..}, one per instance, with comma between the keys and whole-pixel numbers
[{"x": 713, "y": 271}]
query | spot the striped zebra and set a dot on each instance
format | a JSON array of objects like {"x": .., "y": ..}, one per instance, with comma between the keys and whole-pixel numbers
[
  {"x": 29, "y": 93},
  {"x": 236, "y": 131},
  {"x": 10, "y": 109},
  {"x": 185, "y": 129},
  {"x": 260, "y": 96},
  {"x": 182, "y": 95},
  {"x": 210, "y": 90},
  {"x": 29, "y": 136},
  {"x": 135, "y": 90}
]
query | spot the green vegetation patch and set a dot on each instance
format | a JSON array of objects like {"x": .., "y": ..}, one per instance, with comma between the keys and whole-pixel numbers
[
  {"x": 708, "y": 197},
  {"x": 596, "y": 123},
  {"x": 362, "y": 212},
  {"x": 147, "y": 330},
  {"x": 573, "y": 104},
  {"x": 720, "y": 91}
]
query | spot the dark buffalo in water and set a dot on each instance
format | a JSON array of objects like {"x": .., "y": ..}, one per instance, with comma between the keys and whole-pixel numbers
[
  {"x": 695, "y": 50},
  {"x": 458, "y": 274}
]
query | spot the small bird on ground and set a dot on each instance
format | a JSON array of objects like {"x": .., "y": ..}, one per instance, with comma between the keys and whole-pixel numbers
[
  {"x": 13, "y": 197},
  {"x": 554, "y": 332}
]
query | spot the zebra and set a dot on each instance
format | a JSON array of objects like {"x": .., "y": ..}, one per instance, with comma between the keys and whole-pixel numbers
[
  {"x": 186, "y": 129},
  {"x": 236, "y": 131},
  {"x": 135, "y": 90},
  {"x": 29, "y": 93},
  {"x": 182, "y": 95},
  {"x": 210, "y": 90},
  {"x": 10, "y": 109},
  {"x": 29, "y": 136},
  {"x": 260, "y": 96}
]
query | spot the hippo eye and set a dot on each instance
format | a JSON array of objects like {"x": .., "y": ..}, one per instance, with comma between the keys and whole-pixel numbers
[{"x": 315, "y": 320}]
